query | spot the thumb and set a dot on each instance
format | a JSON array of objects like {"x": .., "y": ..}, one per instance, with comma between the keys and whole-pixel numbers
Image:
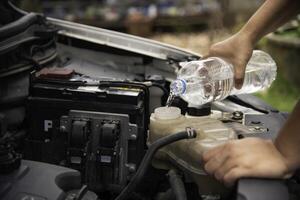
[{"x": 205, "y": 56}]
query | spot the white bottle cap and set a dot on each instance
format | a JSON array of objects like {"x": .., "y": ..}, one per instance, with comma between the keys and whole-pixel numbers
[{"x": 166, "y": 113}]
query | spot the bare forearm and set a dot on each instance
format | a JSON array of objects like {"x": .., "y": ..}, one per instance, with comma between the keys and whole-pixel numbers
[
  {"x": 271, "y": 15},
  {"x": 288, "y": 140},
  {"x": 235, "y": 159}
]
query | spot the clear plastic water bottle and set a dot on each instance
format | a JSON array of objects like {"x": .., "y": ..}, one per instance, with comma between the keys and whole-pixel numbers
[{"x": 212, "y": 79}]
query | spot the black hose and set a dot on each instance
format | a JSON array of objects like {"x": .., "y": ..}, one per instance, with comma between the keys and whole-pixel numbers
[
  {"x": 165, "y": 91},
  {"x": 177, "y": 185},
  {"x": 188, "y": 134},
  {"x": 22, "y": 12},
  {"x": 239, "y": 101},
  {"x": 168, "y": 195},
  {"x": 19, "y": 25},
  {"x": 80, "y": 194}
]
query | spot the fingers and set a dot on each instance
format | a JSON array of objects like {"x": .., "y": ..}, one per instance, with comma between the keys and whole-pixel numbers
[
  {"x": 213, "y": 164},
  {"x": 224, "y": 169},
  {"x": 239, "y": 74},
  {"x": 211, "y": 153},
  {"x": 222, "y": 160},
  {"x": 215, "y": 159},
  {"x": 238, "y": 62},
  {"x": 227, "y": 170},
  {"x": 205, "y": 56},
  {"x": 234, "y": 174},
  {"x": 250, "y": 157}
]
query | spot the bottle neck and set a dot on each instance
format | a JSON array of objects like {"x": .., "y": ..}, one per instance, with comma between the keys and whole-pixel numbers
[{"x": 178, "y": 87}]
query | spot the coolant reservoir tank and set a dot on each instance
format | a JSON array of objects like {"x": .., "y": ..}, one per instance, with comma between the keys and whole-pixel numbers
[
  {"x": 186, "y": 154},
  {"x": 167, "y": 113}
]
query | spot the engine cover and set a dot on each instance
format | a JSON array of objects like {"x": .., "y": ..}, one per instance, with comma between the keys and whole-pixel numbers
[{"x": 41, "y": 181}]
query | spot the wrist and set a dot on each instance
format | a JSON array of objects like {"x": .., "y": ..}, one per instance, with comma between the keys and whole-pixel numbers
[
  {"x": 248, "y": 36},
  {"x": 291, "y": 158}
]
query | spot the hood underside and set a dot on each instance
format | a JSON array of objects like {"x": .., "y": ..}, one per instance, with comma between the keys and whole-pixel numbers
[{"x": 122, "y": 41}]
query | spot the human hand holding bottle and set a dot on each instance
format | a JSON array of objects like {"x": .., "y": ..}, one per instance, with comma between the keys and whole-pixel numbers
[
  {"x": 236, "y": 50},
  {"x": 254, "y": 157}
]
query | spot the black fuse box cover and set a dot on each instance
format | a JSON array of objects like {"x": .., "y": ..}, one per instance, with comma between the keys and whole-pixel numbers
[{"x": 49, "y": 100}]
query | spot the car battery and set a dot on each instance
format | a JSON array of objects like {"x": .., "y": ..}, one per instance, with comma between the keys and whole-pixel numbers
[{"x": 73, "y": 118}]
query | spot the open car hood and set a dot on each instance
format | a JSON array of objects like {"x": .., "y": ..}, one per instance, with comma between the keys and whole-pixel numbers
[{"x": 122, "y": 41}]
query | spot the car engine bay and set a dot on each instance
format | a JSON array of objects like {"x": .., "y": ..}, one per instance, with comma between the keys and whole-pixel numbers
[{"x": 76, "y": 104}]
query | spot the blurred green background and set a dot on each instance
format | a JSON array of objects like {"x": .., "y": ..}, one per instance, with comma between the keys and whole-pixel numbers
[{"x": 191, "y": 24}]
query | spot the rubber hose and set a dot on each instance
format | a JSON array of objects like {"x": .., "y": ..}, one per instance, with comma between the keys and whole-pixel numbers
[
  {"x": 177, "y": 185},
  {"x": 190, "y": 133},
  {"x": 19, "y": 25}
]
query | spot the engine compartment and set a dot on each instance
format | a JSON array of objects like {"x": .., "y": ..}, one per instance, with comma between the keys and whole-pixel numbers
[
  {"x": 78, "y": 114},
  {"x": 100, "y": 129}
]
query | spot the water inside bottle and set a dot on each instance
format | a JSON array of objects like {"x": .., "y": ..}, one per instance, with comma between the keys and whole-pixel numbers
[
  {"x": 212, "y": 79},
  {"x": 260, "y": 73},
  {"x": 206, "y": 80}
]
